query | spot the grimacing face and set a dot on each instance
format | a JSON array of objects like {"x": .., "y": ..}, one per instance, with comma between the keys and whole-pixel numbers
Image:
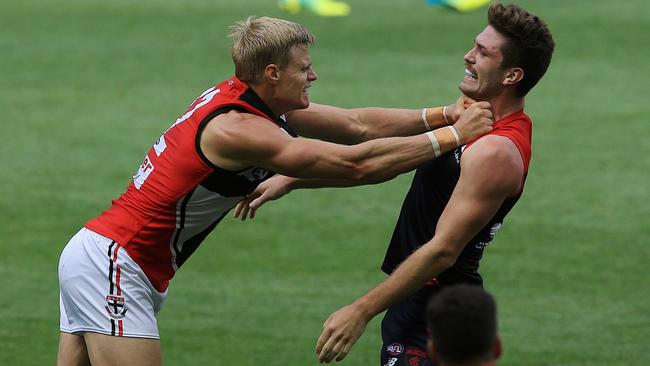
[
  {"x": 296, "y": 78},
  {"x": 483, "y": 73}
]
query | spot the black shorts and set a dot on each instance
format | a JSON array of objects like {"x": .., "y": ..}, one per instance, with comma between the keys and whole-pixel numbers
[{"x": 404, "y": 331}]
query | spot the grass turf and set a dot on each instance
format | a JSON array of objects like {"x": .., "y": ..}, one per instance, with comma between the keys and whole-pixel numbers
[{"x": 87, "y": 86}]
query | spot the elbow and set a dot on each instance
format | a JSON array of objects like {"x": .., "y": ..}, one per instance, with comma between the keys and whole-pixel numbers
[
  {"x": 361, "y": 132},
  {"x": 360, "y": 172},
  {"x": 446, "y": 258},
  {"x": 368, "y": 173}
]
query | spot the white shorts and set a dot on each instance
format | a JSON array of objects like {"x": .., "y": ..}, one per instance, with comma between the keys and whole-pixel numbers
[{"x": 103, "y": 290}]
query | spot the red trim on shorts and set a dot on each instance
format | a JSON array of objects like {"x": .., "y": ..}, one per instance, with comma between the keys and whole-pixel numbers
[
  {"x": 117, "y": 279},
  {"x": 117, "y": 247}
]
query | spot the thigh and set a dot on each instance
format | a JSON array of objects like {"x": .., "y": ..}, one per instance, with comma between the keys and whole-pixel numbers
[
  {"x": 106, "y": 350},
  {"x": 72, "y": 351},
  {"x": 104, "y": 291},
  {"x": 404, "y": 332}
]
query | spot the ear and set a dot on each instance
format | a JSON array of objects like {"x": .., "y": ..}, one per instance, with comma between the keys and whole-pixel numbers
[
  {"x": 431, "y": 350},
  {"x": 272, "y": 73},
  {"x": 497, "y": 348},
  {"x": 513, "y": 76}
]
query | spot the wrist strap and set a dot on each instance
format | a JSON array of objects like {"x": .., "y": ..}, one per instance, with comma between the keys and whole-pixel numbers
[
  {"x": 424, "y": 119},
  {"x": 444, "y": 115},
  {"x": 434, "y": 143},
  {"x": 453, "y": 130}
]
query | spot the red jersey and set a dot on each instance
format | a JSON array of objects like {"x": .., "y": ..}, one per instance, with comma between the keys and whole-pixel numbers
[
  {"x": 518, "y": 128},
  {"x": 177, "y": 195},
  {"x": 430, "y": 191}
]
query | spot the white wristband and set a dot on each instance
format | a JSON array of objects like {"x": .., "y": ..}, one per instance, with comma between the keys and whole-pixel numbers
[
  {"x": 453, "y": 130},
  {"x": 424, "y": 119},
  {"x": 444, "y": 115},
  {"x": 434, "y": 143}
]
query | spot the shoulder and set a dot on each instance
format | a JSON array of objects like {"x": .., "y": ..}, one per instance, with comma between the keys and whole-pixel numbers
[
  {"x": 494, "y": 161},
  {"x": 234, "y": 124}
]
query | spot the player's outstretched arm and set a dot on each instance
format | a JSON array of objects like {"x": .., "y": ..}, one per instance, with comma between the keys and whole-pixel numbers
[
  {"x": 239, "y": 140},
  {"x": 356, "y": 125},
  {"x": 278, "y": 186},
  {"x": 491, "y": 171}
]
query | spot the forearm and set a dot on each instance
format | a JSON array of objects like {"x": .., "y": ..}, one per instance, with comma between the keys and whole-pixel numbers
[
  {"x": 387, "y": 122},
  {"x": 305, "y": 183},
  {"x": 424, "y": 264},
  {"x": 383, "y": 159},
  {"x": 356, "y": 125}
]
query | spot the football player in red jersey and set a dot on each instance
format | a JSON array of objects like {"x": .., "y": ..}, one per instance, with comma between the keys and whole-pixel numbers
[
  {"x": 456, "y": 203},
  {"x": 114, "y": 273}
]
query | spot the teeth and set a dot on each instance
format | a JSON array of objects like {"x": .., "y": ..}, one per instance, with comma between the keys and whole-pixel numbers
[{"x": 469, "y": 74}]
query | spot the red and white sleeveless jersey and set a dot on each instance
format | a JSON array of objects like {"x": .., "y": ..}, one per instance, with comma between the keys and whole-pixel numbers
[{"x": 177, "y": 195}]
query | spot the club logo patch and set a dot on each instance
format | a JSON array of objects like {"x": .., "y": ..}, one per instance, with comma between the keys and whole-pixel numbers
[
  {"x": 414, "y": 361},
  {"x": 116, "y": 306},
  {"x": 415, "y": 356},
  {"x": 395, "y": 349}
]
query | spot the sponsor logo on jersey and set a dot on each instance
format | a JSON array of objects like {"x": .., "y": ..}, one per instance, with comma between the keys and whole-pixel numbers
[
  {"x": 394, "y": 349},
  {"x": 116, "y": 307},
  {"x": 391, "y": 361},
  {"x": 254, "y": 174},
  {"x": 458, "y": 152},
  {"x": 495, "y": 228}
]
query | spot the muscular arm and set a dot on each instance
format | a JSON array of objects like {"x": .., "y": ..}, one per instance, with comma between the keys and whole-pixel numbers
[
  {"x": 236, "y": 140},
  {"x": 352, "y": 126},
  {"x": 491, "y": 171}
]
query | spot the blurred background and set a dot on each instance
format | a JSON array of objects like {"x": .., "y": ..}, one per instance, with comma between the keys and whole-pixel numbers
[{"x": 87, "y": 86}]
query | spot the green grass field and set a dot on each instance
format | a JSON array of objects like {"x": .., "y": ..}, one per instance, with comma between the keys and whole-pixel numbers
[{"x": 86, "y": 87}]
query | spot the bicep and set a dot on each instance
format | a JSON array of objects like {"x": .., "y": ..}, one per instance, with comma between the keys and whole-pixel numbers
[
  {"x": 469, "y": 209},
  {"x": 327, "y": 123},
  {"x": 253, "y": 142},
  {"x": 488, "y": 176},
  {"x": 308, "y": 158}
]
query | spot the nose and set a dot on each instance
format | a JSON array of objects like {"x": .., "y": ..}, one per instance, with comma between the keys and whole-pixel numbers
[
  {"x": 469, "y": 57},
  {"x": 312, "y": 75}
]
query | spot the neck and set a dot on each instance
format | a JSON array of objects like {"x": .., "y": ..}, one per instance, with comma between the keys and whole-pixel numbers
[
  {"x": 504, "y": 105},
  {"x": 266, "y": 93}
]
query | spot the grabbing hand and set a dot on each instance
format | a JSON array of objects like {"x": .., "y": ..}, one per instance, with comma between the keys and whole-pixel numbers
[
  {"x": 475, "y": 121},
  {"x": 340, "y": 332},
  {"x": 454, "y": 111},
  {"x": 268, "y": 190}
]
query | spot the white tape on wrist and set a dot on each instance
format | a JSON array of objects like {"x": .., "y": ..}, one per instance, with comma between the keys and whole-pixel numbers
[
  {"x": 424, "y": 119},
  {"x": 453, "y": 130},
  {"x": 434, "y": 143},
  {"x": 444, "y": 115}
]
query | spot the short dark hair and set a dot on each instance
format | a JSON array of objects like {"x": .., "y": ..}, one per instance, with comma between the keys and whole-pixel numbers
[
  {"x": 463, "y": 324},
  {"x": 529, "y": 43}
]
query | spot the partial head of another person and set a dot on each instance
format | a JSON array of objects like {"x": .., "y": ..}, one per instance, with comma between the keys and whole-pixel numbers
[
  {"x": 510, "y": 55},
  {"x": 462, "y": 322}
]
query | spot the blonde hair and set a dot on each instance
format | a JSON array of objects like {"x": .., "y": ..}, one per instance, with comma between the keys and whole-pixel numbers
[{"x": 258, "y": 42}]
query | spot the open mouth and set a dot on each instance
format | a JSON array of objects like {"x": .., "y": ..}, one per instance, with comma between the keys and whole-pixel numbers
[{"x": 470, "y": 75}]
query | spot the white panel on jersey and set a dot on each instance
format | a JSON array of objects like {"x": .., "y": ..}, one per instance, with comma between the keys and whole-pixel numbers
[
  {"x": 160, "y": 145},
  {"x": 143, "y": 172},
  {"x": 203, "y": 208}
]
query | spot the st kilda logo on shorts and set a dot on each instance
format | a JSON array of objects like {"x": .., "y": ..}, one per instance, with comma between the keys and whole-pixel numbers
[{"x": 115, "y": 306}]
